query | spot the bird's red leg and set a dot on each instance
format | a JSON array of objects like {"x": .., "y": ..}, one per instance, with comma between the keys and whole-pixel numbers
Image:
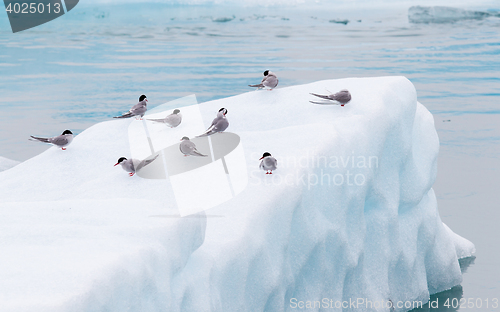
[
  {"x": 131, "y": 174},
  {"x": 63, "y": 148}
]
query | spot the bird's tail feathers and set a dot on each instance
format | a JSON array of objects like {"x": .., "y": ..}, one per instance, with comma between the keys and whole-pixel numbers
[
  {"x": 157, "y": 120},
  {"x": 127, "y": 115},
  {"x": 321, "y": 96},
  {"x": 206, "y": 133},
  {"x": 198, "y": 153},
  {"x": 257, "y": 86},
  {"x": 44, "y": 140}
]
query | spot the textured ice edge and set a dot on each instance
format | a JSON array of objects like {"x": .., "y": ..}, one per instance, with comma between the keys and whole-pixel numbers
[{"x": 83, "y": 236}]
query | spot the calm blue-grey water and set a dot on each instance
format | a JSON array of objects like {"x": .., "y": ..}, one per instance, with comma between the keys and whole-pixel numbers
[{"x": 93, "y": 63}]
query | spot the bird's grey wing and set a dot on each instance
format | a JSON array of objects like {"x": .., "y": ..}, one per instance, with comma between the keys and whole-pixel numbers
[
  {"x": 163, "y": 120},
  {"x": 173, "y": 120},
  {"x": 128, "y": 165},
  {"x": 136, "y": 107},
  {"x": 270, "y": 81},
  {"x": 261, "y": 166},
  {"x": 343, "y": 97},
  {"x": 59, "y": 140},
  {"x": 44, "y": 140},
  {"x": 221, "y": 125},
  {"x": 321, "y": 96},
  {"x": 325, "y": 103},
  {"x": 139, "y": 108},
  {"x": 260, "y": 85},
  {"x": 195, "y": 152},
  {"x": 186, "y": 147},
  {"x": 146, "y": 162},
  {"x": 126, "y": 115}
]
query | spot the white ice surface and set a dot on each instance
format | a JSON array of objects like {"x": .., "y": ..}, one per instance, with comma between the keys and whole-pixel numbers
[{"x": 77, "y": 234}]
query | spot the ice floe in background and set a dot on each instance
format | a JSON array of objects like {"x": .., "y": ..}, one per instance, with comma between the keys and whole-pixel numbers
[
  {"x": 6, "y": 163},
  {"x": 442, "y": 14}
]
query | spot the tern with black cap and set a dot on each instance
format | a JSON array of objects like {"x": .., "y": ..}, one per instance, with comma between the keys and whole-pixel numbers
[
  {"x": 219, "y": 124},
  {"x": 268, "y": 163},
  {"x": 60, "y": 141},
  {"x": 270, "y": 81},
  {"x": 138, "y": 109},
  {"x": 133, "y": 165}
]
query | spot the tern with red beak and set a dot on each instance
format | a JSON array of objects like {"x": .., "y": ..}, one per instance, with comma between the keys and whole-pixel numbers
[
  {"x": 138, "y": 109},
  {"x": 133, "y": 165},
  {"x": 219, "y": 124},
  {"x": 268, "y": 163},
  {"x": 270, "y": 81}
]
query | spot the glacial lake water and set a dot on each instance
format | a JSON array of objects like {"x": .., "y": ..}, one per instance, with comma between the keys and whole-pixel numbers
[{"x": 92, "y": 64}]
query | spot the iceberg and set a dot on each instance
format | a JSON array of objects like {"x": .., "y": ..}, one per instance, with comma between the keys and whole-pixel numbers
[
  {"x": 442, "y": 14},
  {"x": 349, "y": 215}
]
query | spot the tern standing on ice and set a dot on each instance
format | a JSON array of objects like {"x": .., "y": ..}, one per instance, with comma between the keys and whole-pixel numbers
[
  {"x": 189, "y": 148},
  {"x": 342, "y": 97},
  {"x": 61, "y": 141},
  {"x": 270, "y": 81},
  {"x": 138, "y": 109},
  {"x": 130, "y": 166},
  {"x": 219, "y": 124},
  {"x": 172, "y": 120},
  {"x": 268, "y": 163}
]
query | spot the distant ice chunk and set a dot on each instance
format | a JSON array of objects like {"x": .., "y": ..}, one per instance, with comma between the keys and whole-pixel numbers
[
  {"x": 223, "y": 19},
  {"x": 442, "y": 14},
  {"x": 340, "y": 21},
  {"x": 6, "y": 163}
]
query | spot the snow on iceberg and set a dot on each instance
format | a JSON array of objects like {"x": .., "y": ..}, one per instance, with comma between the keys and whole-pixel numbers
[
  {"x": 349, "y": 214},
  {"x": 442, "y": 14}
]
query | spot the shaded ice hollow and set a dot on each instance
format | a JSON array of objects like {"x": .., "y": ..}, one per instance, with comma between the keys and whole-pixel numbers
[{"x": 81, "y": 235}]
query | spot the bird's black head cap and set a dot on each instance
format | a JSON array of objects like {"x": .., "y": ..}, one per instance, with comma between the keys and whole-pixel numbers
[
  {"x": 223, "y": 110},
  {"x": 176, "y": 111},
  {"x": 266, "y": 154},
  {"x": 67, "y": 132},
  {"x": 266, "y": 72},
  {"x": 121, "y": 159},
  {"x": 142, "y": 97}
]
